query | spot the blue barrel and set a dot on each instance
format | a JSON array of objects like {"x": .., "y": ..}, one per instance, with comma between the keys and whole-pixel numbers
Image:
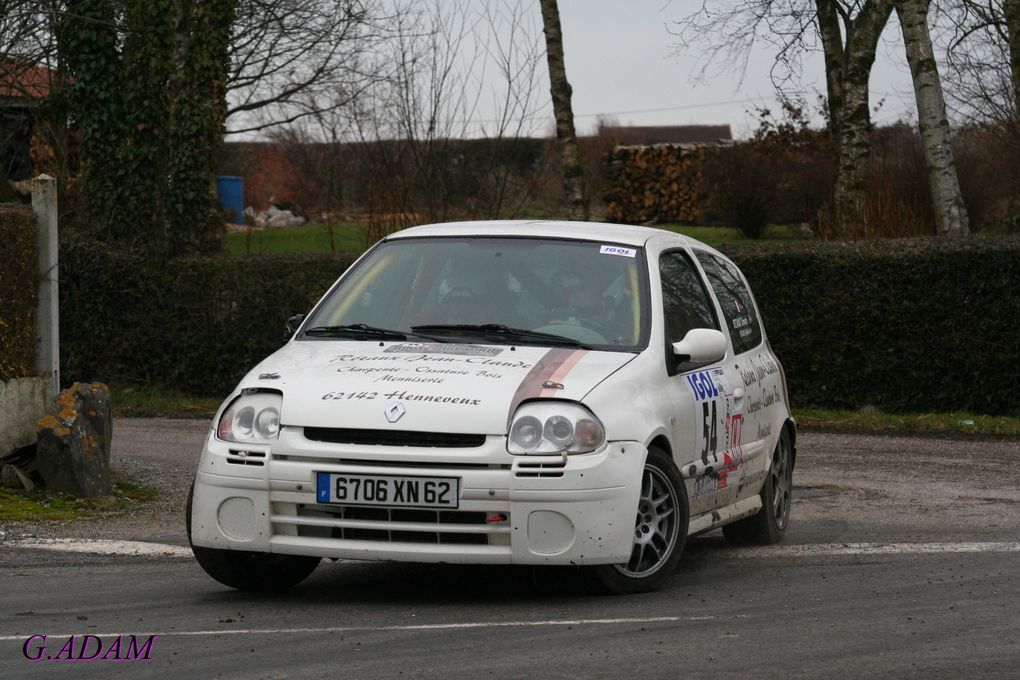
[{"x": 231, "y": 193}]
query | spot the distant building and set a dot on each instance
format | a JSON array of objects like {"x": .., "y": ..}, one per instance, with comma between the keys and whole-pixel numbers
[
  {"x": 665, "y": 134},
  {"x": 269, "y": 175},
  {"x": 21, "y": 89}
]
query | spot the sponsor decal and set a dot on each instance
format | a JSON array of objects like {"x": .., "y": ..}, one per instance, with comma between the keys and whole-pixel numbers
[
  {"x": 435, "y": 398},
  {"x": 618, "y": 250},
  {"x": 715, "y": 413},
  {"x": 429, "y": 358},
  {"x": 766, "y": 392},
  {"x": 551, "y": 369},
  {"x": 402, "y": 396},
  {"x": 443, "y": 348}
]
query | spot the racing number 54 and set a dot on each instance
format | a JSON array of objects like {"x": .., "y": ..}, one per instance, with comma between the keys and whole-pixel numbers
[{"x": 710, "y": 430}]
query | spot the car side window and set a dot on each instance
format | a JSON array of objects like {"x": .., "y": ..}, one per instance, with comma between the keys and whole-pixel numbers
[
  {"x": 735, "y": 301},
  {"x": 685, "y": 302}
]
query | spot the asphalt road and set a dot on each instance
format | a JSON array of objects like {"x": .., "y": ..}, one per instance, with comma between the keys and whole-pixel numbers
[{"x": 901, "y": 561}]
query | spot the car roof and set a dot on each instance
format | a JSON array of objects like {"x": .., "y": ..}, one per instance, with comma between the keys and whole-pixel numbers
[{"x": 585, "y": 231}]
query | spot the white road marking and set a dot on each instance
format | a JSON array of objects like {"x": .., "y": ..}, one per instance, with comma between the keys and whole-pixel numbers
[
  {"x": 416, "y": 627},
  {"x": 104, "y": 547},
  {"x": 837, "y": 549}
]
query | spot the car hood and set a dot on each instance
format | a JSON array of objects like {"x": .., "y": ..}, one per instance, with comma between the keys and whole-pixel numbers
[{"x": 440, "y": 387}]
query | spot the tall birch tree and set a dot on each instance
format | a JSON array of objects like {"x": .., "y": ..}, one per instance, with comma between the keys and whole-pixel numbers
[
  {"x": 573, "y": 173},
  {"x": 947, "y": 200}
]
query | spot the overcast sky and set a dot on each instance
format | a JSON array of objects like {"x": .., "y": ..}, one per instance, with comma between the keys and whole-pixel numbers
[{"x": 621, "y": 62}]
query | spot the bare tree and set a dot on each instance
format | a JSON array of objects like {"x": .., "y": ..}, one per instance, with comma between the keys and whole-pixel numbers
[
  {"x": 847, "y": 32},
  {"x": 420, "y": 147},
  {"x": 573, "y": 173},
  {"x": 947, "y": 200},
  {"x": 983, "y": 61},
  {"x": 290, "y": 58}
]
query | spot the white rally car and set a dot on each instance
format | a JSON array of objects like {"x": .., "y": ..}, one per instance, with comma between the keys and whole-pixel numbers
[{"x": 540, "y": 393}]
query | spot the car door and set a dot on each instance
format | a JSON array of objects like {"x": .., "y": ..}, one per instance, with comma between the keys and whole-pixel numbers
[
  {"x": 753, "y": 374},
  {"x": 706, "y": 399}
]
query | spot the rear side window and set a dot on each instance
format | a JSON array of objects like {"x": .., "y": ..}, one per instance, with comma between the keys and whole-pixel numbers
[
  {"x": 735, "y": 300},
  {"x": 686, "y": 303}
]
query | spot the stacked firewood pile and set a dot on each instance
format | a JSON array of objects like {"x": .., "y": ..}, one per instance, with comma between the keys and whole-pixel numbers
[{"x": 658, "y": 183}]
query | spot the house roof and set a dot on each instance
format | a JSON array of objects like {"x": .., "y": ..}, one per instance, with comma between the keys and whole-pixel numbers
[{"x": 20, "y": 81}]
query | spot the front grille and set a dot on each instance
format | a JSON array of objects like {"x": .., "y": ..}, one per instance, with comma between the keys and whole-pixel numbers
[
  {"x": 320, "y": 460},
  {"x": 526, "y": 469},
  {"x": 452, "y": 440},
  {"x": 397, "y": 525},
  {"x": 237, "y": 457}
]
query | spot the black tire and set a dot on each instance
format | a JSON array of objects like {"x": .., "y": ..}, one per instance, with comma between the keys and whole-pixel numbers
[
  {"x": 660, "y": 533},
  {"x": 252, "y": 571},
  {"x": 769, "y": 525}
]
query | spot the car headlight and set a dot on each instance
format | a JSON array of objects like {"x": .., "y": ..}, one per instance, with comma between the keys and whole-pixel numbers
[
  {"x": 554, "y": 427},
  {"x": 252, "y": 419}
]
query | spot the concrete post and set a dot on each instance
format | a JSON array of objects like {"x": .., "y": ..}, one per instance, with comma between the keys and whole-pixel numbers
[{"x": 44, "y": 205}]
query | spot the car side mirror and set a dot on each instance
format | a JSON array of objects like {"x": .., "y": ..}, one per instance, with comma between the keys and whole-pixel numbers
[
  {"x": 701, "y": 346},
  {"x": 293, "y": 323}
]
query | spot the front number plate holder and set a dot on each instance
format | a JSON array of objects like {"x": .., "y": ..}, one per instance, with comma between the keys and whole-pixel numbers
[{"x": 387, "y": 490}]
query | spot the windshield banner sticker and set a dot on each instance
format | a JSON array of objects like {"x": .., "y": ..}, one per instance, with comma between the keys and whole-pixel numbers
[
  {"x": 442, "y": 348},
  {"x": 617, "y": 250}
]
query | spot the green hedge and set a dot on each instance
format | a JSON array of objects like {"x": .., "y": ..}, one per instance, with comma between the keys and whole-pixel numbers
[
  {"x": 910, "y": 325},
  {"x": 195, "y": 324},
  {"x": 19, "y": 285}
]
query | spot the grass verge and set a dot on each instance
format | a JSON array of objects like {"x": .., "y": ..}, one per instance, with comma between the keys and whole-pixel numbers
[
  {"x": 149, "y": 402},
  {"x": 956, "y": 424},
  {"x": 17, "y": 505},
  {"x": 311, "y": 238},
  {"x": 717, "y": 236}
]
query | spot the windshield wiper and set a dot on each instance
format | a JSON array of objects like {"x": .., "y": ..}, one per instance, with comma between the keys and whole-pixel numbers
[
  {"x": 501, "y": 330},
  {"x": 357, "y": 329},
  {"x": 364, "y": 331}
]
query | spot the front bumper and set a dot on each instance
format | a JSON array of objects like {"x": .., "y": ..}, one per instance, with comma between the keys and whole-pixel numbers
[{"x": 513, "y": 509}]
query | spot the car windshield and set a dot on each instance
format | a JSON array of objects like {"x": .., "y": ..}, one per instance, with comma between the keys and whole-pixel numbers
[{"x": 494, "y": 290}]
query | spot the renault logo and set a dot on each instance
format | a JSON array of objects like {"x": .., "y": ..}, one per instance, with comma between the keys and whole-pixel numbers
[{"x": 394, "y": 411}]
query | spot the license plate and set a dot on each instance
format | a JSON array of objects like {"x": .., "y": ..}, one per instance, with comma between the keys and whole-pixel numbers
[{"x": 418, "y": 492}]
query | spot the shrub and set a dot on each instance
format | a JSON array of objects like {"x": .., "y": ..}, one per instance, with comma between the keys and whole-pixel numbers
[
  {"x": 742, "y": 187},
  {"x": 905, "y": 325},
  {"x": 19, "y": 285}
]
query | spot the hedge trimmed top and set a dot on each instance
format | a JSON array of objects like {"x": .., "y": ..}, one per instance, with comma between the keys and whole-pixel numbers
[{"x": 908, "y": 325}]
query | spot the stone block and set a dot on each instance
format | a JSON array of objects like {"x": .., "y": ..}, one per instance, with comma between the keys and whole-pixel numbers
[{"x": 73, "y": 452}]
